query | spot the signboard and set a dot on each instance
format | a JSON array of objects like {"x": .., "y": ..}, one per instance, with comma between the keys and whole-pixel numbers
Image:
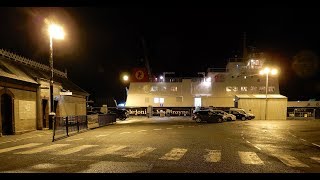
[{"x": 68, "y": 93}]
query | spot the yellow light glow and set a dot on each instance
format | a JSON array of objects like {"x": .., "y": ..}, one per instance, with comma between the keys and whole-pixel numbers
[
  {"x": 56, "y": 31},
  {"x": 274, "y": 71},
  {"x": 125, "y": 78},
  {"x": 266, "y": 70},
  {"x": 261, "y": 72}
]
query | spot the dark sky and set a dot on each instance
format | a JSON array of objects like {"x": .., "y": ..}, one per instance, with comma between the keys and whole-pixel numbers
[{"x": 102, "y": 42}]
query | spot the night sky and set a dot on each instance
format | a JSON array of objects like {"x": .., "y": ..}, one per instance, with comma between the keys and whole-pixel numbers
[{"x": 103, "y": 42}]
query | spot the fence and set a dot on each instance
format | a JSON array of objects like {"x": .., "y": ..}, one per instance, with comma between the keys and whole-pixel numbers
[{"x": 63, "y": 126}]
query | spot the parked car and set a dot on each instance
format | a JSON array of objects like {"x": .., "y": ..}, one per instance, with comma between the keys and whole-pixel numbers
[
  {"x": 241, "y": 114},
  {"x": 226, "y": 116},
  {"x": 208, "y": 116},
  {"x": 122, "y": 114}
]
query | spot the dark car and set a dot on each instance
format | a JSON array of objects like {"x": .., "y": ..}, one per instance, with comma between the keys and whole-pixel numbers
[
  {"x": 208, "y": 116},
  {"x": 122, "y": 114}
]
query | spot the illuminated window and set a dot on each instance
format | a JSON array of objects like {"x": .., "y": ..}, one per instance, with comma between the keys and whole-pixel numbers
[
  {"x": 146, "y": 100},
  {"x": 235, "y": 88},
  {"x": 174, "y": 88},
  {"x": 161, "y": 100},
  {"x": 178, "y": 99},
  {"x": 163, "y": 88},
  {"x": 228, "y": 88},
  {"x": 156, "y": 100},
  {"x": 244, "y": 88},
  {"x": 154, "y": 88}
]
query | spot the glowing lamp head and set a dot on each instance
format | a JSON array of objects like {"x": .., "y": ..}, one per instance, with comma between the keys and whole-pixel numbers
[{"x": 56, "y": 31}]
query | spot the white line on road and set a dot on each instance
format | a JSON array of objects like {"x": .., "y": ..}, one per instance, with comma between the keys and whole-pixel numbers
[
  {"x": 74, "y": 139},
  {"x": 19, "y": 147},
  {"x": 256, "y": 147},
  {"x": 248, "y": 142},
  {"x": 316, "y": 144},
  {"x": 175, "y": 154},
  {"x": 290, "y": 161},
  {"x": 316, "y": 159},
  {"x": 157, "y": 129},
  {"x": 213, "y": 156},
  {"x": 73, "y": 150},
  {"x": 180, "y": 127},
  {"x": 140, "y": 153},
  {"x": 142, "y": 131},
  {"x": 41, "y": 149},
  {"x": 102, "y": 135},
  {"x": 125, "y": 133},
  {"x": 168, "y": 128},
  {"x": 250, "y": 158},
  {"x": 104, "y": 151},
  {"x": 303, "y": 139}
]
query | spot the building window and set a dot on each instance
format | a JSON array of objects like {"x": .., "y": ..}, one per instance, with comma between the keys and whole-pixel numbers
[
  {"x": 244, "y": 88},
  {"x": 156, "y": 100},
  {"x": 146, "y": 100},
  {"x": 174, "y": 88},
  {"x": 228, "y": 88},
  {"x": 154, "y": 88},
  {"x": 262, "y": 88},
  {"x": 178, "y": 99}
]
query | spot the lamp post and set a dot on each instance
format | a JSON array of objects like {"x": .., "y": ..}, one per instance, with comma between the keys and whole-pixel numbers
[
  {"x": 55, "y": 31},
  {"x": 266, "y": 71}
]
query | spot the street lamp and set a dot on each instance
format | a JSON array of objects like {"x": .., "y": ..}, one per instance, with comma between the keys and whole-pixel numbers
[
  {"x": 266, "y": 72},
  {"x": 55, "y": 31}
]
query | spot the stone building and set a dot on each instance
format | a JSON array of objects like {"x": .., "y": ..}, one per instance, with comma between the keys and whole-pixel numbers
[{"x": 25, "y": 95}]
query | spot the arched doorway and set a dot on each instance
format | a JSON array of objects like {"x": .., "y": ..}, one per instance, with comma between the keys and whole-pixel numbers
[{"x": 7, "y": 114}]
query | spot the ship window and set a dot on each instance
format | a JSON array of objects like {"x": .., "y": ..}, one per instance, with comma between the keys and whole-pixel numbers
[
  {"x": 244, "y": 88},
  {"x": 146, "y": 100},
  {"x": 253, "y": 88},
  {"x": 174, "y": 88},
  {"x": 228, "y": 88},
  {"x": 271, "y": 89},
  {"x": 154, "y": 88},
  {"x": 178, "y": 99},
  {"x": 156, "y": 100},
  {"x": 235, "y": 88},
  {"x": 161, "y": 100}
]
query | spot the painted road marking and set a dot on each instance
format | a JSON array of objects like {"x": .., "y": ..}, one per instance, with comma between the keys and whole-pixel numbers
[
  {"x": 104, "y": 151},
  {"x": 102, "y": 135},
  {"x": 303, "y": 139},
  {"x": 316, "y": 144},
  {"x": 157, "y": 129},
  {"x": 41, "y": 149},
  {"x": 141, "y": 153},
  {"x": 125, "y": 133},
  {"x": 74, "y": 139},
  {"x": 257, "y": 147},
  {"x": 290, "y": 161},
  {"x": 248, "y": 141},
  {"x": 175, "y": 154},
  {"x": 142, "y": 131},
  {"x": 74, "y": 150},
  {"x": 250, "y": 158},
  {"x": 213, "y": 156},
  {"x": 168, "y": 128},
  {"x": 19, "y": 147},
  {"x": 316, "y": 159},
  {"x": 191, "y": 126}
]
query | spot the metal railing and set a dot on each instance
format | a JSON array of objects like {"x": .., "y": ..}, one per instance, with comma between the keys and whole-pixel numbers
[{"x": 63, "y": 126}]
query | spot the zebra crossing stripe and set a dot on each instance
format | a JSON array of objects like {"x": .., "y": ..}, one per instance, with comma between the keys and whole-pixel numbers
[
  {"x": 19, "y": 147},
  {"x": 174, "y": 155},
  {"x": 250, "y": 158},
  {"x": 290, "y": 161},
  {"x": 73, "y": 150},
  {"x": 213, "y": 156},
  {"x": 41, "y": 149},
  {"x": 316, "y": 159},
  {"x": 140, "y": 153},
  {"x": 105, "y": 151}
]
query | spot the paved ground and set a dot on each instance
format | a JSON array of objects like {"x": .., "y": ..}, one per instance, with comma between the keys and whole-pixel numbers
[{"x": 170, "y": 144}]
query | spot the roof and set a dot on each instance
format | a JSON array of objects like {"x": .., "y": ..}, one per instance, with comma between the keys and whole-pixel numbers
[
  {"x": 25, "y": 70},
  {"x": 260, "y": 96}
]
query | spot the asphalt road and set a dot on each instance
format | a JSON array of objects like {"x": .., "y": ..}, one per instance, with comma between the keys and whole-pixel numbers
[{"x": 170, "y": 145}]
